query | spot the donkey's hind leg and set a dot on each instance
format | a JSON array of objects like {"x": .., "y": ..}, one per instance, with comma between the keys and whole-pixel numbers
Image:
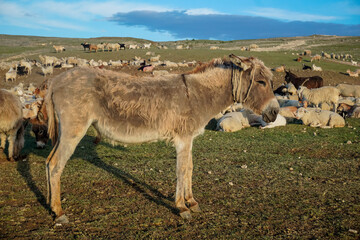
[
  {"x": 55, "y": 164},
  {"x": 184, "y": 168}
]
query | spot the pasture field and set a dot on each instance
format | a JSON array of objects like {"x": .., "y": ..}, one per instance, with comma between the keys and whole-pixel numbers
[{"x": 292, "y": 182}]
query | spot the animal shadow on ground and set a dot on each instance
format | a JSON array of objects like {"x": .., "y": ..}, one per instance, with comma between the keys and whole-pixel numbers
[{"x": 23, "y": 167}]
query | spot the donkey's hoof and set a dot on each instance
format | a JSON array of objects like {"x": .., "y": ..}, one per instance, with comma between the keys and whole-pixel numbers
[
  {"x": 195, "y": 208},
  {"x": 62, "y": 219},
  {"x": 185, "y": 215}
]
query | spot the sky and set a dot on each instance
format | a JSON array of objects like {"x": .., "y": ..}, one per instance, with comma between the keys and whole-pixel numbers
[{"x": 165, "y": 20}]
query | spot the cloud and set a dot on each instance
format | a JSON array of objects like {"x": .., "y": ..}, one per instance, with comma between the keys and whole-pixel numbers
[
  {"x": 226, "y": 27},
  {"x": 289, "y": 15}
]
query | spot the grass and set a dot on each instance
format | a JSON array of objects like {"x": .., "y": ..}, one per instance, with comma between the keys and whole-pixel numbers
[
  {"x": 296, "y": 185},
  {"x": 292, "y": 182}
]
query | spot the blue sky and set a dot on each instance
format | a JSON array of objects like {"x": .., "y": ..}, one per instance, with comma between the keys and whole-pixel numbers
[{"x": 165, "y": 20}]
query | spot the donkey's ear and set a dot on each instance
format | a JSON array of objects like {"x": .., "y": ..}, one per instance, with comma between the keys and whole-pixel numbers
[{"x": 242, "y": 62}]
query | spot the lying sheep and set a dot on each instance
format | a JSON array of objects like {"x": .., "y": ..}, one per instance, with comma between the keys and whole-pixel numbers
[
  {"x": 11, "y": 124},
  {"x": 279, "y": 121},
  {"x": 316, "y": 68},
  {"x": 319, "y": 118},
  {"x": 316, "y": 96},
  {"x": 11, "y": 74},
  {"x": 352, "y": 74},
  {"x": 347, "y": 110},
  {"x": 348, "y": 90},
  {"x": 235, "y": 121}
]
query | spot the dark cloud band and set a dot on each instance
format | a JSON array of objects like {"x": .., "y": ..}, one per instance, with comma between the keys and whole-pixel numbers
[{"x": 227, "y": 27}]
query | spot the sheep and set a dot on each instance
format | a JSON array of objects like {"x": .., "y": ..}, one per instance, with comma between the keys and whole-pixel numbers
[
  {"x": 316, "y": 68},
  {"x": 11, "y": 124},
  {"x": 160, "y": 73},
  {"x": 155, "y": 59},
  {"x": 133, "y": 46},
  {"x": 279, "y": 69},
  {"x": 214, "y": 48},
  {"x": 316, "y": 96},
  {"x": 49, "y": 60},
  {"x": 279, "y": 121},
  {"x": 348, "y": 90},
  {"x": 316, "y": 57},
  {"x": 93, "y": 47},
  {"x": 353, "y": 63},
  {"x": 347, "y": 110},
  {"x": 101, "y": 46},
  {"x": 319, "y": 118},
  {"x": 59, "y": 48},
  {"x": 289, "y": 113},
  {"x": 47, "y": 70},
  {"x": 26, "y": 65},
  {"x": 235, "y": 121},
  {"x": 352, "y": 74},
  {"x": 179, "y": 47},
  {"x": 115, "y": 63},
  {"x": 11, "y": 74},
  {"x": 146, "y": 45}
]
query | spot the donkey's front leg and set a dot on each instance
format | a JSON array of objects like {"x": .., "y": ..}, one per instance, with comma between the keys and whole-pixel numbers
[{"x": 184, "y": 168}]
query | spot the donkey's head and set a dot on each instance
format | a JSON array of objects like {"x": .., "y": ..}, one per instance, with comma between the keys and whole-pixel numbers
[{"x": 252, "y": 86}]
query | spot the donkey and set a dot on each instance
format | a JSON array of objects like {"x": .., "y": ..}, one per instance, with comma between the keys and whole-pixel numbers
[
  {"x": 309, "y": 82},
  {"x": 131, "y": 109},
  {"x": 11, "y": 124}
]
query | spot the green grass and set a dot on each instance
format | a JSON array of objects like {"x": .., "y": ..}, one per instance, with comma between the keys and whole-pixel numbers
[{"x": 297, "y": 185}]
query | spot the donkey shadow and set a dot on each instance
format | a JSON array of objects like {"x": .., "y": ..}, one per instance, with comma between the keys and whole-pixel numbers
[{"x": 149, "y": 192}]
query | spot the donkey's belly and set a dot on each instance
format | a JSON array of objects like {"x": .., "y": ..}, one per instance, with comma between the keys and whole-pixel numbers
[{"x": 122, "y": 133}]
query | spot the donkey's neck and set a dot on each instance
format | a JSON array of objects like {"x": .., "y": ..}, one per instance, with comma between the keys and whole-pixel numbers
[{"x": 212, "y": 90}]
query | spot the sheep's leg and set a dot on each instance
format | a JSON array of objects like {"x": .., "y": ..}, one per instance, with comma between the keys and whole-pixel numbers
[
  {"x": 56, "y": 162},
  {"x": 3, "y": 140},
  {"x": 11, "y": 139},
  {"x": 184, "y": 168}
]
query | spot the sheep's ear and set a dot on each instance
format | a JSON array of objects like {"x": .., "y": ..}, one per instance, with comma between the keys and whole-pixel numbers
[{"x": 244, "y": 63}]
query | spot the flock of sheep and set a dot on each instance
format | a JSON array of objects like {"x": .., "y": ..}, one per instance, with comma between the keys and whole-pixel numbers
[{"x": 324, "y": 106}]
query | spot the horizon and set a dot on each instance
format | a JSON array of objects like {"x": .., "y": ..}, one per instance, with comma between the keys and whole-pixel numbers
[{"x": 179, "y": 20}]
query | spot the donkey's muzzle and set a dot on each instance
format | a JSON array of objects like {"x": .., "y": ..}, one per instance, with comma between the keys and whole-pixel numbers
[{"x": 271, "y": 111}]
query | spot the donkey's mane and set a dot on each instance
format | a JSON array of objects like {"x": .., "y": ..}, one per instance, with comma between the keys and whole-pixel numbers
[{"x": 202, "y": 67}]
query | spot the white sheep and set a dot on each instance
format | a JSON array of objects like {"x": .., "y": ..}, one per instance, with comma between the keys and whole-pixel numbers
[
  {"x": 27, "y": 66},
  {"x": 155, "y": 59},
  {"x": 354, "y": 63},
  {"x": 235, "y": 121},
  {"x": 319, "y": 118},
  {"x": 279, "y": 121},
  {"x": 316, "y": 96},
  {"x": 47, "y": 70},
  {"x": 11, "y": 74},
  {"x": 316, "y": 68},
  {"x": 348, "y": 90}
]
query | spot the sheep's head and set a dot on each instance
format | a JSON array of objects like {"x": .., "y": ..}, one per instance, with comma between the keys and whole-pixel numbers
[{"x": 301, "y": 112}]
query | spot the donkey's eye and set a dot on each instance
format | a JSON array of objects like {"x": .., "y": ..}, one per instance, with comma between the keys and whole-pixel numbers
[{"x": 262, "y": 83}]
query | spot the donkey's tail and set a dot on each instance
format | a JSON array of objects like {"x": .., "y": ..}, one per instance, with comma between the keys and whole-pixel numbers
[{"x": 53, "y": 122}]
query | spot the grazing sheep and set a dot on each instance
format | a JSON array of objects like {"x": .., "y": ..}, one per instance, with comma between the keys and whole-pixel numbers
[
  {"x": 147, "y": 46},
  {"x": 319, "y": 118},
  {"x": 133, "y": 46},
  {"x": 59, "y": 48},
  {"x": 315, "y": 68},
  {"x": 26, "y": 65},
  {"x": 49, "y": 60},
  {"x": 101, "y": 46},
  {"x": 279, "y": 69},
  {"x": 179, "y": 47},
  {"x": 11, "y": 74},
  {"x": 352, "y": 74},
  {"x": 348, "y": 90},
  {"x": 347, "y": 110},
  {"x": 47, "y": 70},
  {"x": 316, "y": 96},
  {"x": 155, "y": 59},
  {"x": 316, "y": 58},
  {"x": 214, "y": 48},
  {"x": 11, "y": 124}
]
